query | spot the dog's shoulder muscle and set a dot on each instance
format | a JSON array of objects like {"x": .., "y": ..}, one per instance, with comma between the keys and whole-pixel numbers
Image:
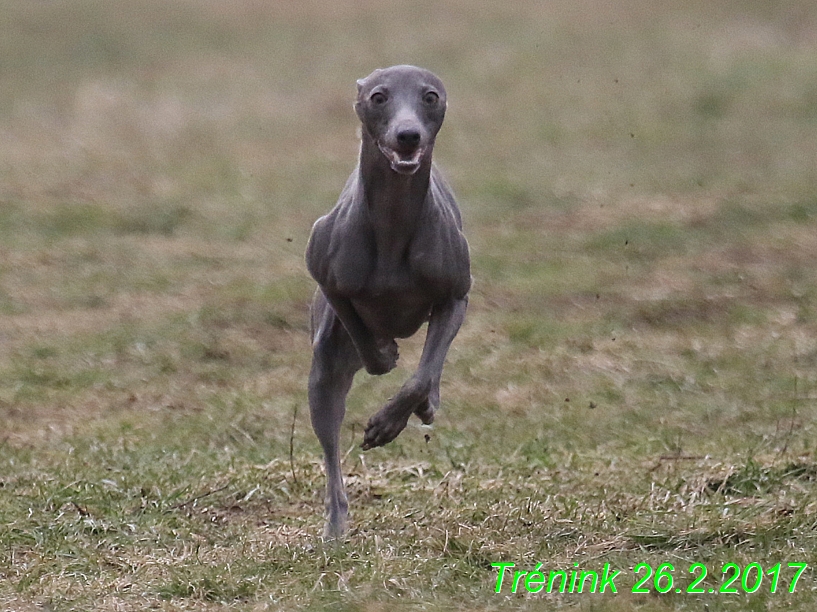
[
  {"x": 339, "y": 254},
  {"x": 439, "y": 252}
]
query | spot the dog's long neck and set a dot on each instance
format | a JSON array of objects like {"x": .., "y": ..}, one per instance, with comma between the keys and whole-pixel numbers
[{"x": 395, "y": 201}]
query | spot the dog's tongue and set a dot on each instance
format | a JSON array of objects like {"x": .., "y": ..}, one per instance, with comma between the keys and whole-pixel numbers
[{"x": 403, "y": 164}]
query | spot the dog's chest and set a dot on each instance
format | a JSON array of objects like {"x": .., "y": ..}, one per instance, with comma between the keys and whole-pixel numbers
[
  {"x": 390, "y": 279},
  {"x": 368, "y": 268},
  {"x": 421, "y": 271},
  {"x": 393, "y": 302}
]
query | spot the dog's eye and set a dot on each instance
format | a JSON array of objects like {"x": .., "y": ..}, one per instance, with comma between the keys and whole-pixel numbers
[
  {"x": 378, "y": 98},
  {"x": 431, "y": 98}
]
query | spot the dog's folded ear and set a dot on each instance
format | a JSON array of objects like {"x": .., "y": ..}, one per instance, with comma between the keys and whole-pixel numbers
[{"x": 355, "y": 106}]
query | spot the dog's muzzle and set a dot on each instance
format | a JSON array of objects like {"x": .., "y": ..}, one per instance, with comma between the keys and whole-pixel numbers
[{"x": 400, "y": 162}]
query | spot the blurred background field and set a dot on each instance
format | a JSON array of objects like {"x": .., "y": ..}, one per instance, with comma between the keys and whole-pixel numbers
[{"x": 636, "y": 380}]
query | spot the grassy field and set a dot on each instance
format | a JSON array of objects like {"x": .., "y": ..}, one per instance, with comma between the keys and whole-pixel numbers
[{"x": 636, "y": 382}]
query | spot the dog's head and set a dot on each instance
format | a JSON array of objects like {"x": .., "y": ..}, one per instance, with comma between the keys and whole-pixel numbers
[{"x": 402, "y": 109}]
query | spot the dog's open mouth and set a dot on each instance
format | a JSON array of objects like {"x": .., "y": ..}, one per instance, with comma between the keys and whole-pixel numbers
[{"x": 403, "y": 163}]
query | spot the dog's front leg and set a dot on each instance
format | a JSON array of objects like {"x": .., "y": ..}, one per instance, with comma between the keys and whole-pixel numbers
[
  {"x": 420, "y": 394},
  {"x": 375, "y": 359}
]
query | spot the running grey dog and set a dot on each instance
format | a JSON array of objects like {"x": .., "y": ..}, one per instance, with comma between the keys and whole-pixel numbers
[{"x": 388, "y": 257}]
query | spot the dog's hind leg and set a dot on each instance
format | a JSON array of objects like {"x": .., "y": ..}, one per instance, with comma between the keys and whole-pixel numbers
[{"x": 334, "y": 363}]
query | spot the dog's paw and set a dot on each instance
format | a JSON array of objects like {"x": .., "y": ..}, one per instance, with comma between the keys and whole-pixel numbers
[
  {"x": 383, "y": 360},
  {"x": 391, "y": 419},
  {"x": 382, "y": 428}
]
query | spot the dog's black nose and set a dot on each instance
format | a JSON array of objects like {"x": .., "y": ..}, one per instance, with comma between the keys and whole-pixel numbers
[{"x": 408, "y": 138}]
